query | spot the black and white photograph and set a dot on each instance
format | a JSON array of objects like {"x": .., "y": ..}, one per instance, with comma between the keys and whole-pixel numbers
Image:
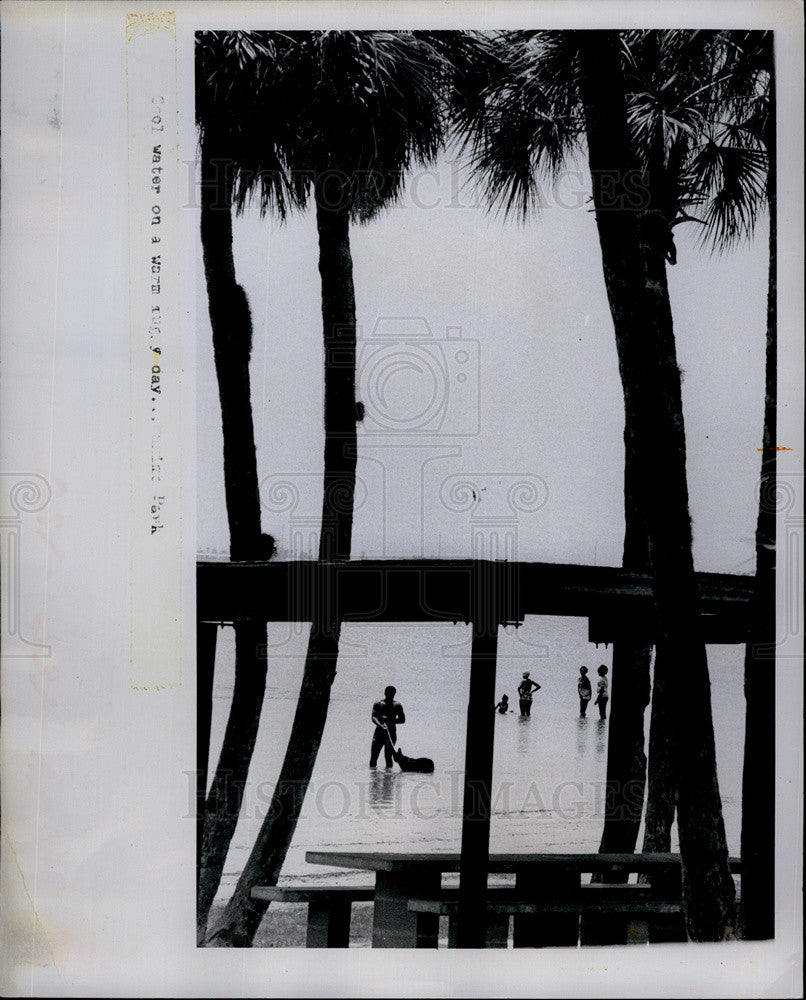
[
  {"x": 402, "y": 498},
  {"x": 501, "y": 306}
]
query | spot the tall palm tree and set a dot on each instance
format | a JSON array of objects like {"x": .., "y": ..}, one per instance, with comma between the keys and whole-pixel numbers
[
  {"x": 758, "y": 824},
  {"x": 522, "y": 121},
  {"x": 361, "y": 108},
  {"x": 748, "y": 97},
  {"x": 635, "y": 250},
  {"x": 221, "y": 105},
  {"x": 539, "y": 106},
  {"x": 702, "y": 101}
]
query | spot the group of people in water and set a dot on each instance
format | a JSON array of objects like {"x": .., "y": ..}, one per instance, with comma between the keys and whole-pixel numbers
[
  {"x": 586, "y": 693},
  {"x": 388, "y": 713},
  {"x": 528, "y": 687}
]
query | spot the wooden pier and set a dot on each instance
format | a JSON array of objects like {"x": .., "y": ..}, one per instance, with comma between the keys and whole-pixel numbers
[{"x": 451, "y": 590}]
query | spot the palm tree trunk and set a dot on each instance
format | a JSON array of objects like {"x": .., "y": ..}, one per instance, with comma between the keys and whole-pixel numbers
[
  {"x": 661, "y": 802},
  {"x": 635, "y": 278},
  {"x": 232, "y": 343},
  {"x": 758, "y": 781},
  {"x": 224, "y": 801},
  {"x": 242, "y": 916},
  {"x": 626, "y": 758},
  {"x": 661, "y": 798},
  {"x": 231, "y": 324}
]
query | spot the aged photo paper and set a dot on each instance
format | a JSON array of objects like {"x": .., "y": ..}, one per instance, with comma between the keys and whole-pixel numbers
[{"x": 402, "y": 498}]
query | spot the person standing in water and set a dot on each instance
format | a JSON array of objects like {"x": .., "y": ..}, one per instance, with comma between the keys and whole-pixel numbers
[
  {"x": 601, "y": 691},
  {"x": 525, "y": 689},
  {"x": 386, "y": 715},
  {"x": 584, "y": 689}
]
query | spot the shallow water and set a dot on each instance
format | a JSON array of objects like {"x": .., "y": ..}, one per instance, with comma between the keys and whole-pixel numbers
[{"x": 549, "y": 769}]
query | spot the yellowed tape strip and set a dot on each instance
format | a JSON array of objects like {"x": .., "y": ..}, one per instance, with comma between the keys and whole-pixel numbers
[{"x": 155, "y": 514}]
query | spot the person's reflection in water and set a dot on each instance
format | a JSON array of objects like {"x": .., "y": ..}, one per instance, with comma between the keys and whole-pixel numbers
[
  {"x": 382, "y": 789},
  {"x": 524, "y": 735},
  {"x": 582, "y": 737},
  {"x": 601, "y": 737}
]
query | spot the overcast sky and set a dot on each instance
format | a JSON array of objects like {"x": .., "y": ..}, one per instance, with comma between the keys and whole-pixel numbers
[{"x": 535, "y": 397}]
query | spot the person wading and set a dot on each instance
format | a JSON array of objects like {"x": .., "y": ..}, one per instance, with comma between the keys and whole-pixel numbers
[
  {"x": 525, "y": 690},
  {"x": 601, "y": 691},
  {"x": 386, "y": 715},
  {"x": 584, "y": 689}
]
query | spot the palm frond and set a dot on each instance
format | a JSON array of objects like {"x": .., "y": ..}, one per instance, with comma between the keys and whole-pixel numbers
[
  {"x": 732, "y": 182},
  {"x": 289, "y": 107},
  {"x": 698, "y": 110},
  {"x": 523, "y": 122}
]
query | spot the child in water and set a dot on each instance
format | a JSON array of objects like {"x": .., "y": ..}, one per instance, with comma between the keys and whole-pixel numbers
[{"x": 503, "y": 705}]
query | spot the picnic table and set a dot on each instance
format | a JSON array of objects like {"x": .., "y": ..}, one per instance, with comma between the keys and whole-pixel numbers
[{"x": 546, "y": 903}]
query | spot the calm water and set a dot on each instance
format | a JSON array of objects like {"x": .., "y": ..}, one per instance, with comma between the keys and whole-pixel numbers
[{"x": 549, "y": 769}]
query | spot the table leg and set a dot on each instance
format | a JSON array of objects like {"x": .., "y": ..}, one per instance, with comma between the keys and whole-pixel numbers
[
  {"x": 553, "y": 929},
  {"x": 638, "y": 932},
  {"x": 606, "y": 930},
  {"x": 611, "y": 928},
  {"x": 497, "y": 930},
  {"x": 672, "y": 926},
  {"x": 393, "y": 924},
  {"x": 329, "y": 924}
]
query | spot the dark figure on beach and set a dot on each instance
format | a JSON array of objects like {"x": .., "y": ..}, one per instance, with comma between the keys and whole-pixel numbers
[
  {"x": 601, "y": 691},
  {"x": 503, "y": 705},
  {"x": 386, "y": 715},
  {"x": 525, "y": 689},
  {"x": 584, "y": 689}
]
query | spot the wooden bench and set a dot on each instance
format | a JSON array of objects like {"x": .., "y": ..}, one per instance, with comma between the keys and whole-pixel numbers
[
  {"x": 329, "y": 909},
  {"x": 634, "y": 903}
]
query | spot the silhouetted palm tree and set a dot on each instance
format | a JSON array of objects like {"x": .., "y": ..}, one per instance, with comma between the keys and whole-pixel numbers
[
  {"x": 359, "y": 109},
  {"x": 635, "y": 249},
  {"x": 523, "y": 125},
  {"x": 748, "y": 99},
  {"x": 227, "y": 153},
  {"x": 539, "y": 104},
  {"x": 703, "y": 101}
]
